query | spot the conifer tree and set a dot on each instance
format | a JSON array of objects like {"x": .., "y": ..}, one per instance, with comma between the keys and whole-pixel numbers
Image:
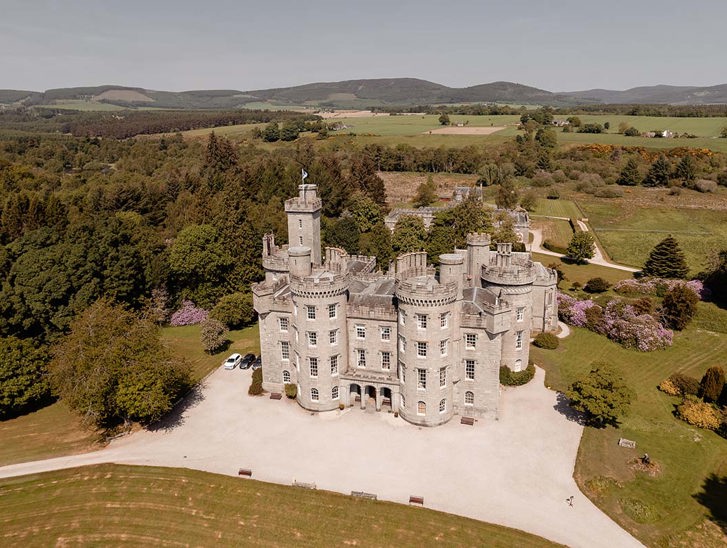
[
  {"x": 629, "y": 174},
  {"x": 666, "y": 260},
  {"x": 686, "y": 169},
  {"x": 658, "y": 174}
]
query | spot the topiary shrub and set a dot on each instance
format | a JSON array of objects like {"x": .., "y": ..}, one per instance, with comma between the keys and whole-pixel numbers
[
  {"x": 596, "y": 285},
  {"x": 508, "y": 377},
  {"x": 687, "y": 386},
  {"x": 547, "y": 341},
  {"x": 712, "y": 384},
  {"x": 256, "y": 387},
  {"x": 697, "y": 413},
  {"x": 291, "y": 391}
]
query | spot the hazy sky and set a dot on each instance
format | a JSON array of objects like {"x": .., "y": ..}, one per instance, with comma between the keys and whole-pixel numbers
[{"x": 557, "y": 45}]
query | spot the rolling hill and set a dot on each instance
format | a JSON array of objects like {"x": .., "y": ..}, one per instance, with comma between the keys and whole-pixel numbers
[{"x": 361, "y": 94}]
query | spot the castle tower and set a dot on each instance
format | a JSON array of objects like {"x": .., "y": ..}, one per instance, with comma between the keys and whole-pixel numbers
[
  {"x": 478, "y": 254},
  {"x": 427, "y": 328},
  {"x": 319, "y": 331},
  {"x": 304, "y": 220},
  {"x": 514, "y": 283}
]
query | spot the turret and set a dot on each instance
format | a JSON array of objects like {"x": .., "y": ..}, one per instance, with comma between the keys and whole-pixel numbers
[
  {"x": 451, "y": 269},
  {"x": 304, "y": 220},
  {"x": 299, "y": 261},
  {"x": 478, "y": 254}
]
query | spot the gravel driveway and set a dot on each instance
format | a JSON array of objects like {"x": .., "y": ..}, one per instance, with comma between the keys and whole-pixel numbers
[{"x": 516, "y": 471}]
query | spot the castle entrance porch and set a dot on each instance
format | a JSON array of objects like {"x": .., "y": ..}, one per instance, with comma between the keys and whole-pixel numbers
[
  {"x": 386, "y": 398},
  {"x": 354, "y": 394},
  {"x": 369, "y": 395}
]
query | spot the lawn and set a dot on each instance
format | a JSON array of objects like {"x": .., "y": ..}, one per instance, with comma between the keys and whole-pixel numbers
[
  {"x": 50, "y": 432},
  {"x": 660, "y": 510},
  {"x": 629, "y": 232},
  {"x": 111, "y": 504},
  {"x": 184, "y": 341},
  {"x": 557, "y": 208},
  {"x": 555, "y": 231},
  {"x": 582, "y": 273},
  {"x": 55, "y": 431}
]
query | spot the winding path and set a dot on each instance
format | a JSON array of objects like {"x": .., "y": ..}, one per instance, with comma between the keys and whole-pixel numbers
[
  {"x": 537, "y": 247},
  {"x": 516, "y": 471}
]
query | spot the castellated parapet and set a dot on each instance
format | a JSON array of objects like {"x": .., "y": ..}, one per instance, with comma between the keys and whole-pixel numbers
[{"x": 424, "y": 344}]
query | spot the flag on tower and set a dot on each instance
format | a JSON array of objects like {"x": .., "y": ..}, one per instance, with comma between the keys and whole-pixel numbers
[{"x": 303, "y": 174}]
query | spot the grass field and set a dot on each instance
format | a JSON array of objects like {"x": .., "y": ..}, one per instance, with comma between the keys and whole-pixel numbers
[
  {"x": 54, "y": 430},
  {"x": 629, "y": 231},
  {"x": 660, "y": 510},
  {"x": 143, "y": 506}
]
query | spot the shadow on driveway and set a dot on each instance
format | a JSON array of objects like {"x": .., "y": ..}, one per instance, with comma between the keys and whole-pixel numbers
[
  {"x": 562, "y": 406},
  {"x": 175, "y": 417}
]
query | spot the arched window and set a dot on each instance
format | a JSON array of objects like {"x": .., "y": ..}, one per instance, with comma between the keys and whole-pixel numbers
[
  {"x": 286, "y": 376},
  {"x": 421, "y": 408},
  {"x": 518, "y": 365},
  {"x": 334, "y": 393},
  {"x": 314, "y": 394},
  {"x": 442, "y": 406},
  {"x": 469, "y": 398}
]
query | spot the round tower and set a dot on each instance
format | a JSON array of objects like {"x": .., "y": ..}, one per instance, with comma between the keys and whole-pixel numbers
[
  {"x": 514, "y": 279},
  {"x": 426, "y": 349},
  {"x": 319, "y": 334},
  {"x": 478, "y": 254}
]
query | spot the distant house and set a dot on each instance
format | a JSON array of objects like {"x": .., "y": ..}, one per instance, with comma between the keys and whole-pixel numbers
[{"x": 560, "y": 123}]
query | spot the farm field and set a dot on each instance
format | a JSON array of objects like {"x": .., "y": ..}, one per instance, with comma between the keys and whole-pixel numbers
[
  {"x": 152, "y": 505},
  {"x": 663, "y": 510},
  {"x": 54, "y": 430}
]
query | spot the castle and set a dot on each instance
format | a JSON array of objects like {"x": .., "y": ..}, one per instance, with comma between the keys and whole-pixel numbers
[{"x": 428, "y": 347}]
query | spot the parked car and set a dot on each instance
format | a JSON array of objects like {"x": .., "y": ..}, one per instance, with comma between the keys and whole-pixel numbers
[
  {"x": 233, "y": 361},
  {"x": 247, "y": 360},
  {"x": 257, "y": 364}
]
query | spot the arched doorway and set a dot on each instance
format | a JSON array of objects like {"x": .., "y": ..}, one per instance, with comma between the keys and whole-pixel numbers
[
  {"x": 370, "y": 397},
  {"x": 354, "y": 394},
  {"x": 386, "y": 399}
]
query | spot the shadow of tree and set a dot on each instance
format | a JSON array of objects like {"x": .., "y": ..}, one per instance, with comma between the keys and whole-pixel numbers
[
  {"x": 175, "y": 417},
  {"x": 714, "y": 498},
  {"x": 563, "y": 407}
]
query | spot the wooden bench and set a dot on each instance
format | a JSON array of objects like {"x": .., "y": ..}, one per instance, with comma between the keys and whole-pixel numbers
[
  {"x": 244, "y": 472},
  {"x": 363, "y": 495},
  {"x": 276, "y": 396},
  {"x": 470, "y": 421},
  {"x": 413, "y": 499}
]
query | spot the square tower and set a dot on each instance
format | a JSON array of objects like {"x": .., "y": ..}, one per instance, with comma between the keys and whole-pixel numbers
[{"x": 304, "y": 220}]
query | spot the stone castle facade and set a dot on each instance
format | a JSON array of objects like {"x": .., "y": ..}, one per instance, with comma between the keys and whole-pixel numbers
[{"x": 428, "y": 346}]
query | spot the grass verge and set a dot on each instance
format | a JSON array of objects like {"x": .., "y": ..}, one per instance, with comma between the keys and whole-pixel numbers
[
  {"x": 663, "y": 509},
  {"x": 112, "y": 504}
]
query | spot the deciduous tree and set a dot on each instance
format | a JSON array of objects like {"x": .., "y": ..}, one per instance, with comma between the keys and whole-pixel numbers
[
  {"x": 581, "y": 247},
  {"x": 601, "y": 395}
]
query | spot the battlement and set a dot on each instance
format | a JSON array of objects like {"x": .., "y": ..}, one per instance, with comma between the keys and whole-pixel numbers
[
  {"x": 425, "y": 291},
  {"x": 320, "y": 284},
  {"x": 307, "y": 200},
  {"x": 478, "y": 238},
  {"x": 502, "y": 270}
]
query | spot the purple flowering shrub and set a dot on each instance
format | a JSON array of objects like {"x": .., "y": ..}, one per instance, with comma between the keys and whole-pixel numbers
[
  {"x": 188, "y": 314},
  {"x": 659, "y": 286},
  {"x": 619, "y": 321}
]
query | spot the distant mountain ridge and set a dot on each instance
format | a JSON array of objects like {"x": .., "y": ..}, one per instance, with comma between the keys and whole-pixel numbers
[{"x": 366, "y": 93}]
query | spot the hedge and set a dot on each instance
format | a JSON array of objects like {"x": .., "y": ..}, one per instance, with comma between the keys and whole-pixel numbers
[
  {"x": 256, "y": 388},
  {"x": 508, "y": 377},
  {"x": 547, "y": 341}
]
